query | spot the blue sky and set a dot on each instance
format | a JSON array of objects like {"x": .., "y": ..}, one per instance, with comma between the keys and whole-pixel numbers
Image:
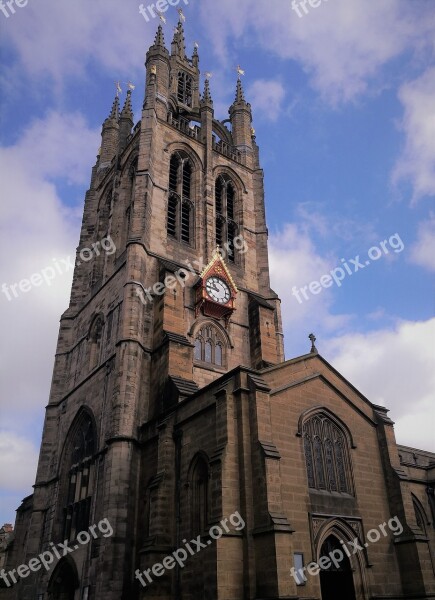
[{"x": 344, "y": 110}]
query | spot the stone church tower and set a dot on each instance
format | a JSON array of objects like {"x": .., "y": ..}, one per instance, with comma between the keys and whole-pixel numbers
[{"x": 172, "y": 411}]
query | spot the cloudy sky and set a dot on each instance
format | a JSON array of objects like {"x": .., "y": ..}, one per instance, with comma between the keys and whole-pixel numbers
[{"x": 343, "y": 101}]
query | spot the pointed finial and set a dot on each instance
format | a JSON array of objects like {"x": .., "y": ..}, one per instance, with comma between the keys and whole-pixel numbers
[
  {"x": 127, "y": 111},
  {"x": 206, "y": 97},
  {"x": 182, "y": 18},
  {"x": 178, "y": 43},
  {"x": 114, "y": 113},
  {"x": 161, "y": 16},
  {"x": 313, "y": 338},
  {"x": 240, "y": 97},
  {"x": 160, "y": 38}
]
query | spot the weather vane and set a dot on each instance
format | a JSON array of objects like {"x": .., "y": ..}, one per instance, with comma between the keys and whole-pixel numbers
[
  {"x": 240, "y": 71},
  {"x": 118, "y": 88},
  {"x": 161, "y": 16},
  {"x": 208, "y": 75},
  {"x": 130, "y": 85},
  {"x": 182, "y": 17}
]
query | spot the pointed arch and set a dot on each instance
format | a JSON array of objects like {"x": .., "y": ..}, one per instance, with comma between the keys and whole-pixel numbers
[
  {"x": 95, "y": 337},
  {"x": 185, "y": 88},
  {"x": 211, "y": 343},
  {"x": 64, "y": 580},
  {"x": 77, "y": 473},
  {"x": 226, "y": 214},
  {"x": 420, "y": 514},
  {"x": 326, "y": 445},
  {"x": 344, "y": 533},
  {"x": 198, "y": 483},
  {"x": 181, "y": 208}
]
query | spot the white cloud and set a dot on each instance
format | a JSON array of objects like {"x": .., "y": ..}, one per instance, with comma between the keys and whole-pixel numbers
[
  {"x": 295, "y": 262},
  {"x": 422, "y": 253},
  {"x": 417, "y": 162},
  {"x": 35, "y": 229},
  {"x": 18, "y": 461},
  {"x": 266, "y": 97},
  {"x": 341, "y": 44},
  {"x": 58, "y": 38},
  {"x": 394, "y": 368}
]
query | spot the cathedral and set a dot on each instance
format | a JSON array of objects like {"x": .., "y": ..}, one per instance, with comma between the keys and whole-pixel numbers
[{"x": 182, "y": 456}]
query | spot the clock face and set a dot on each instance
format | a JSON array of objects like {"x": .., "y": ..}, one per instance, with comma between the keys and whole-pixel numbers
[{"x": 218, "y": 290}]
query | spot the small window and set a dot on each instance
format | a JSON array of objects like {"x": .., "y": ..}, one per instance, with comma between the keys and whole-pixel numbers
[
  {"x": 208, "y": 352},
  {"x": 209, "y": 346},
  {"x": 298, "y": 569},
  {"x": 218, "y": 355},
  {"x": 198, "y": 349}
]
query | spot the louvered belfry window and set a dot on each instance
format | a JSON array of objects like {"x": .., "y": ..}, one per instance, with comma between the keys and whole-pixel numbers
[
  {"x": 180, "y": 215},
  {"x": 185, "y": 85},
  {"x": 226, "y": 226}
]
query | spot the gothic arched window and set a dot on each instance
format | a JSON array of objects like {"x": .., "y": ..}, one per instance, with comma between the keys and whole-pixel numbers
[
  {"x": 185, "y": 84},
  {"x": 326, "y": 455},
  {"x": 79, "y": 458},
  {"x": 226, "y": 227},
  {"x": 199, "y": 495},
  {"x": 180, "y": 217},
  {"x": 95, "y": 338},
  {"x": 420, "y": 516},
  {"x": 130, "y": 200},
  {"x": 209, "y": 346}
]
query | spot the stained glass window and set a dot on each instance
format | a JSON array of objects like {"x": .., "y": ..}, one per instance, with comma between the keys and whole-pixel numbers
[{"x": 326, "y": 455}]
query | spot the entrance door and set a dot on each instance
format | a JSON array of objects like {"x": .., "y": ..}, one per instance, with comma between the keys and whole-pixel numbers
[
  {"x": 63, "y": 583},
  {"x": 336, "y": 582}
]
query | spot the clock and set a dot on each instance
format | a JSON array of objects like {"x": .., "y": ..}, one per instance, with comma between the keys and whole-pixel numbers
[
  {"x": 215, "y": 290},
  {"x": 218, "y": 290}
]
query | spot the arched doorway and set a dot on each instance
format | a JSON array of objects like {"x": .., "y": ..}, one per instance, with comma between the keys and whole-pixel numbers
[
  {"x": 63, "y": 582},
  {"x": 337, "y": 581}
]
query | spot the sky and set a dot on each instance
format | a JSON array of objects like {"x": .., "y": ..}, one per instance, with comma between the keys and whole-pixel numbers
[{"x": 343, "y": 100}]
